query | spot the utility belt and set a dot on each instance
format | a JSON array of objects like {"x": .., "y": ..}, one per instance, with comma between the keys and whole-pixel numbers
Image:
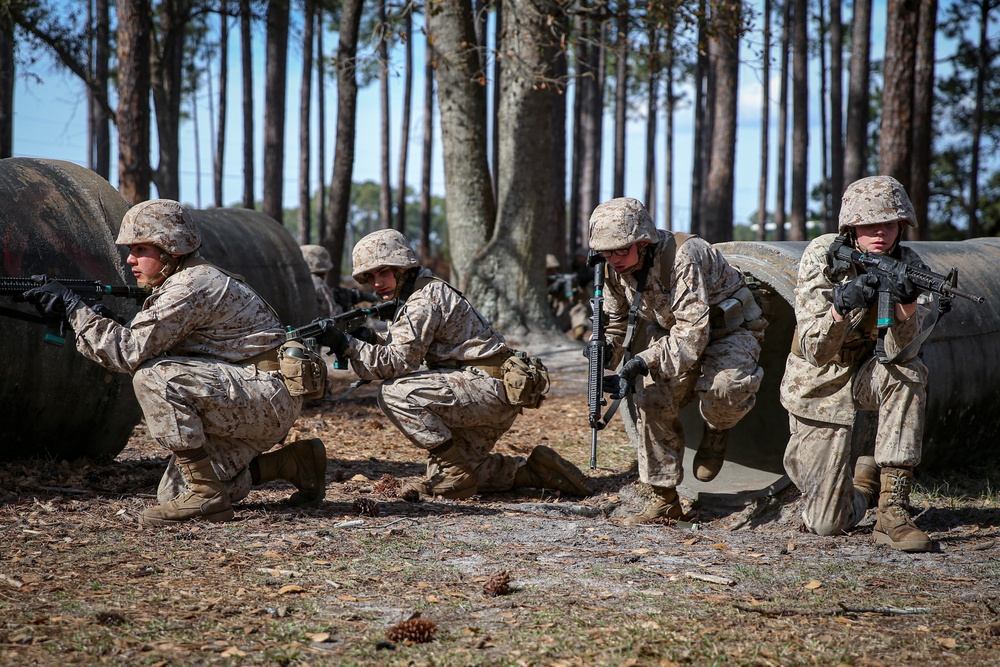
[
  {"x": 491, "y": 365},
  {"x": 741, "y": 310},
  {"x": 265, "y": 361},
  {"x": 849, "y": 354}
]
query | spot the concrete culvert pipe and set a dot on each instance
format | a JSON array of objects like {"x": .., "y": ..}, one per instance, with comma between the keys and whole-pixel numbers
[
  {"x": 962, "y": 356},
  {"x": 61, "y": 220}
]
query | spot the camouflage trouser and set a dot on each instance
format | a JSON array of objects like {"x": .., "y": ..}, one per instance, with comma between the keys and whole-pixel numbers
[
  {"x": 466, "y": 406},
  {"x": 233, "y": 412},
  {"x": 818, "y": 455},
  {"x": 725, "y": 384}
]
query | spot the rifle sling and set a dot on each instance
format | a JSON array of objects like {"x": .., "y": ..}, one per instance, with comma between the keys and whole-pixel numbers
[
  {"x": 21, "y": 315},
  {"x": 915, "y": 344}
]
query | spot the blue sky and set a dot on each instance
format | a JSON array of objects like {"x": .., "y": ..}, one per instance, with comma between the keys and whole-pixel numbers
[{"x": 50, "y": 122}]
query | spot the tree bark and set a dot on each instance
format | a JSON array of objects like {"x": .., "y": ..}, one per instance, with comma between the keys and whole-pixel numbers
[
  {"x": 724, "y": 56},
  {"x": 856, "y": 143},
  {"x": 462, "y": 104},
  {"x": 100, "y": 119},
  {"x": 800, "y": 120},
  {"x": 343, "y": 152},
  {"x": 621, "y": 98},
  {"x": 305, "y": 104},
  {"x": 781, "y": 174},
  {"x": 668, "y": 131},
  {"x": 895, "y": 147},
  {"x": 827, "y": 223},
  {"x": 134, "y": 29},
  {"x": 923, "y": 117},
  {"x": 653, "y": 104},
  {"x": 168, "y": 88},
  {"x": 765, "y": 124},
  {"x": 836, "y": 109},
  {"x": 275, "y": 85},
  {"x": 246, "y": 54},
  {"x": 385, "y": 185},
  {"x": 702, "y": 123},
  {"x": 424, "y": 246},
  {"x": 559, "y": 241},
  {"x": 320, "y": 129},
  {"x": 404, "y": 132},
  {"x": 219, "y": 166}
]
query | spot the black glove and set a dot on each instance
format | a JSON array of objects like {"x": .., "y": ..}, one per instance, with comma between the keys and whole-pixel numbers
[
  {"x": 333, "y": 338},
  {"x": 366, "y": 334},
  {"x": 619, "y": 385},
  {"x": 53, "y": 299},
  {"x": 902, "y": 288},
  {"x": 857, "y": 293}
]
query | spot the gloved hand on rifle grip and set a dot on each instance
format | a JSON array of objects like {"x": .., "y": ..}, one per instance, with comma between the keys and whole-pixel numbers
[
  {"x": 53, "y": 299},
  {"x": 366, "y": 334},
  {"x": 902, "y": 288},
  {"x": 857, "y": 293},
  {"x": 104, "y": 311},
  {"x": 619, "y": 385},
  {"x": 333, "y": 338}
]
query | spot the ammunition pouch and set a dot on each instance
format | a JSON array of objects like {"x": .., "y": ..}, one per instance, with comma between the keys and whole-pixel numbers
[
  {"x": 303, "y": 370},
  {"x": 525, "y": 380},
  {"x": 739, "y": 310}
]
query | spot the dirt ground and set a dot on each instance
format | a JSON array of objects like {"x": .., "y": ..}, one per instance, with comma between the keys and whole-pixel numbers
[{"x": 81, "y": 583}]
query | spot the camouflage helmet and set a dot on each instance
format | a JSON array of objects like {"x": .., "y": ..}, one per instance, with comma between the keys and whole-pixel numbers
[
  {"x": 875, "y": 199},
  {"x": 551, "y": 262},
  {"x": 386, "y": 247},
  {"x": 163, "y": 223},
  {"x": 619, "y": 223},
  {"x": 317, "y": 259}
]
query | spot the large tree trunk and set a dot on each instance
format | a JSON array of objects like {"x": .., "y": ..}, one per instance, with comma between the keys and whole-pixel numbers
[
  {"x": 320, "y": 129},
  {"x": 497, "y": 78},
  {"x": 591, "y": 107},
  {"x": 133, "y": 100},
  {"x": 507, "y": 281},
  {"x": 668, "y": 131},
  {"x": 305, "y": 102},
  {"x": 343, "y": 152},
  {"x": 100, "y": 119},
  {"x": 424, "y": 246},
  {"x": 983, "y": 58},
  {"x": 895, "y": 146},
  {"x": 800, "y": 120},
  {"x": 385, "y": 185},
  {"x": 836, "y": 109},
  {"x": 653, "y": 104},
  {"x": 246, "y": 55},
  {"x": 621, "y": 99},
  {"x": 559, "y": 241},
  {"x": 275, "y": 84},
  {"x": 724, "y": 55},
  {"x": 781, "y": 173},
  {"x": 827, "y": 224},
  {"x": 167, "y": 82},
  {"x": 765, "y": 124},
  {"x": 462, "y": 102},
  {"x": 576, "y": 232},
  {"x": 856, "y": 143},
  {"x": 702, "y": 124},
  {"x": 219, "y": 166},
  {"x": 923, "y": 118},
  {"x": 404, "y": 132}
]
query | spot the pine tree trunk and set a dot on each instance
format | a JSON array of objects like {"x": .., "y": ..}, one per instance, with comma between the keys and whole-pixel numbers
[
  {"x": 856, "y": 142},
  {"x": 404, "y": 132},
  {"x": 800, "y": 120},
  {"x": 836, "y": 109},
  {"x": 724, "y": 56},
  {"x": 895, "y": 146},
  {"x": 923, "y": 117},
  {"x": 275, "y": 85},
  {"x": 385, "y": 185},
  {"x": 781, "y": 174},
  {"x": 133, "y": 100},
  {"x": 621, "y": 98},
  {"x": 218, "y": 168},
  {"x": 246, "y": 54},
  {"x": 424, "y": 251},
  {"x": 305, "y": 103},
  {"x": 765, "y": 124}
]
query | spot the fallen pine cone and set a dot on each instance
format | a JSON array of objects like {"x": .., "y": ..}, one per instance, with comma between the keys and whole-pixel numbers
[
  {"x": 498, "y": 584},
  {"x": 414, "y": 629},
  {"x": 388, "y": 486},
  {"x": 366, "y": 507}
]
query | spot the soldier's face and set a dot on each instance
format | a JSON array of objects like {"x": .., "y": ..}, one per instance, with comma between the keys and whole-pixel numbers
[
  {"x": 877, "y": 238},
  {"x": 623, "y": 259},
  {"x": 383, "y": 281},
  {"x": 145, "y": 262}
]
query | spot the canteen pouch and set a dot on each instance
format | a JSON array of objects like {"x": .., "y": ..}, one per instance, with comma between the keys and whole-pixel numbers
[
  {"x": 525, "y": 380},
  {"x": 303, "y": 370}
]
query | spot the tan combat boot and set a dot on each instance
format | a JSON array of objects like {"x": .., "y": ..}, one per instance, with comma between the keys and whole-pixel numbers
[
  {"x": 206, "y": 497},
  {"x": 893, "y": 524},
  {"x": 666, "y": 505},
  {"x": 453, "y": 479},
  {"x": 866, "y": 479},
  {"x": 546, "y": 469},
  {"x": 711, "y": 454},
  {"x": 303, "y": 463}
]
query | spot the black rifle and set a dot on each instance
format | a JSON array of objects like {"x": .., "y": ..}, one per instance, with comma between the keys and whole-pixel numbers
[
  {"x": 595, "y": 356},
  {"x": 89, "y": 291},
  {"x": 348, "y": 322},
  {"x": 889, "y": 270},
  {"x": 348, "y": 297}
]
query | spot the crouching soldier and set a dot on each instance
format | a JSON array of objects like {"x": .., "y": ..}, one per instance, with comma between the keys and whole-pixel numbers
[
  {"x": 687, "y": 348},
  {"x": 318, "y": 260},
  {"x": 456, "y": 408},
  {"x": 203, "y": 357}
]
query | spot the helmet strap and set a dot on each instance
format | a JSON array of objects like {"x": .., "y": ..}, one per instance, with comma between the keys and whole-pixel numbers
[{"x": 170, "y": 264}]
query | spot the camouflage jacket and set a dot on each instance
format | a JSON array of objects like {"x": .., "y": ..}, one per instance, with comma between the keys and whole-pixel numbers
[
  {"x": 198, "y": 311},
  {"x": 699, "y": 279},
  {"x": 437, "y": 326},
  {"x": 825, "y": 354}
]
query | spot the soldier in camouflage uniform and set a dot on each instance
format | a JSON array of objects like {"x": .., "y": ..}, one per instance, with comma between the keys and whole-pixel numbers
[
  {"x": 318, "y": 260},
  {"x": 685, "y": 351},
  {"x": 202, "y": 354},
  {"x": 566, "y": 301},
  {"x": 832, "y": 371},
  {"x": 440, "y": 366}
]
